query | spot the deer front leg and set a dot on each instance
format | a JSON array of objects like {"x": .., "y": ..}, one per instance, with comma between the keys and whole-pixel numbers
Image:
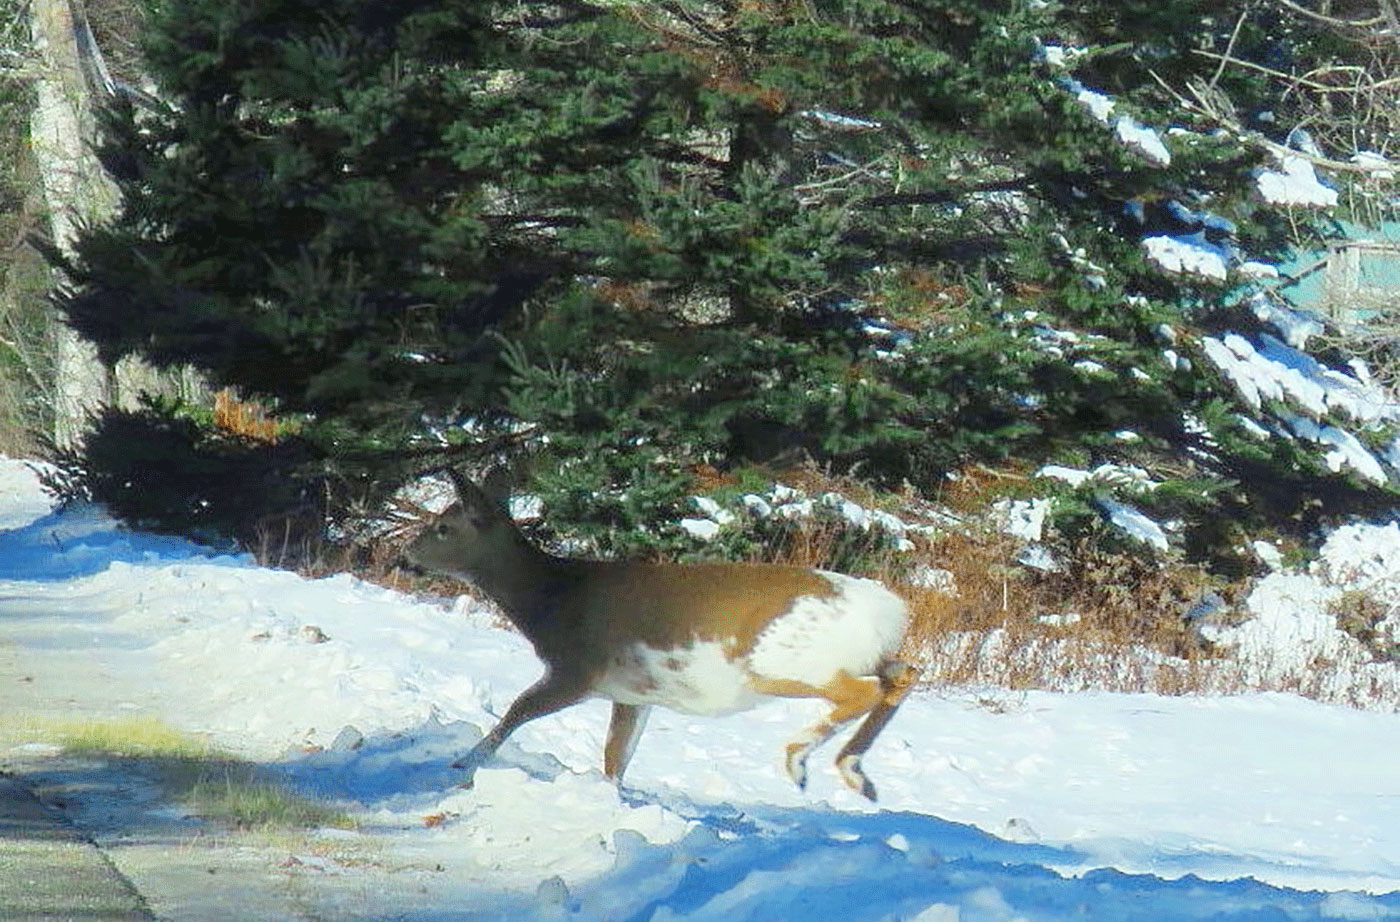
[
  {"x": 551, "y": 693},
  {"x": 623, "y": 733}
]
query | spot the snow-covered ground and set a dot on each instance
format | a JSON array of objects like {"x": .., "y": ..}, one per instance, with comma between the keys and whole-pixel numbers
[{"x": 993, "y": 805}]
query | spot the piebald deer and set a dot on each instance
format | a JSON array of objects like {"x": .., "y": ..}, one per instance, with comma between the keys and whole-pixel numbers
[{"x": 699, "y": 639}]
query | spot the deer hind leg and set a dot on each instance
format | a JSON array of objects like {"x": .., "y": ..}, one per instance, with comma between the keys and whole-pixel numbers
[
  {"x": 852, "y": 697},
  {"x": 624, "y": 730},
  {"x": 896, "y": 679},
  {"x": 551, "y": 693}
]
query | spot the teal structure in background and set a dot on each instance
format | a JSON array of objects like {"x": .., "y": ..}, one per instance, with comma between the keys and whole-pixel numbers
[{"x": 1353, "y": 278}]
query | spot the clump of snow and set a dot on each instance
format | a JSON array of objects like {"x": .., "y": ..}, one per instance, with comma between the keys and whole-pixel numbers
[
  {"x": 433, "y": 493},
  {"x": 785, "y": 502},
  {"x": 1128, "y": 130},
  {"x": 1343, "y": 448},
  {"x": 1094, "y": 274},
  {"x": 715, "y": 517},
  {"x": 1039, "y": 557},
  {"x": 1254, "y": 269},
  {"x": 1366, "y": 558},
  {"x": 1109, "y": 474},
  {"x": 1129, "y": 519},
  {"x": 927, "y": 577},
  {"x": 1136, "y": 524},
  {"x": 840, "y": 122},
  {"x": 525, "y": 507},
  {"x": 1296, "y": 326},
  {"x": 1252, "y": 427},
  {"x": 1143, "y": 139},
  {"x": 1059, "y": 56},
  {"x": 1022, "y": 518},
  {"x": 1375, "y": 164},
  {"x": 704, "y": 529},
  {"x": 1279, "y": 372},
  {"x": 1189, "y": 254},
  {"x": 1268, "y": 553},
  {"x": 1293, "y": 638},
  {"x": 1100, "y": 105},
  {"x": 1295, "y": 183},
  {"x": 1057, "y": 342}
]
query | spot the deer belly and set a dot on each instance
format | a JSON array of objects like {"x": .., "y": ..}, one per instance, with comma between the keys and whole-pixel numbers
[{"x": 695, "y": 679}]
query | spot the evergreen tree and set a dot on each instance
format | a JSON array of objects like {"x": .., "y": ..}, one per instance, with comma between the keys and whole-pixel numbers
[{"x": 631, "y": 239}]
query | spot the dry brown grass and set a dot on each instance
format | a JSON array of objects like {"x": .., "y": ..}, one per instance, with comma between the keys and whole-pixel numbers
[
  {"x": 245, "y": 418},
  {"x": 972, "y": 490},
  {"x": 308, "y": 551},
  {"x": 1105, "y": 621},
  {"x": 1110, "y": 621}
]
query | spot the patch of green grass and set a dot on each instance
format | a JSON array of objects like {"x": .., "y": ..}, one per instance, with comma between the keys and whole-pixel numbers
[
  {"x": 235, "y": 794},
  {"x": 207, "y": 781},
  {"x": 130, "y": 737}
]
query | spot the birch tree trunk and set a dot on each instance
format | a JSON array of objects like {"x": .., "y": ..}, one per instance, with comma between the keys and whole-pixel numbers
[{"x": 76, "y": 191}]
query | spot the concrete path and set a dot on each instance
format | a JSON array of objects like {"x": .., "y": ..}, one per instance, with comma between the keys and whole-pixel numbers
[{"x": 50, "y": 873}]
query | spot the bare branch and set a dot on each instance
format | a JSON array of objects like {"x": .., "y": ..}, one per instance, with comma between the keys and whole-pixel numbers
[
  {"x": 1330, "y": 20},
  {"x": 1229, "y": 48},
  {"x": 1207, "y": 106},
  {"x": 1295, "y": 78},
  {"x": 1392, "y": 20}
]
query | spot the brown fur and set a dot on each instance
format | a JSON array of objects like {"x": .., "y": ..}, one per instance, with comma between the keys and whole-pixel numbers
[{"x": 668, "y": 606}]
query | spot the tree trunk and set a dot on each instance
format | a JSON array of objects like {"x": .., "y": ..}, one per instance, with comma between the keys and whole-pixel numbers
[{"x": 76, "y": 191}]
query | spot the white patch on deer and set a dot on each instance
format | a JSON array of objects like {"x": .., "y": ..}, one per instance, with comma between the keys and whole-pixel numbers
[
  {"x": 695, "y": 679},
  {"x": 818, "y": 636}
]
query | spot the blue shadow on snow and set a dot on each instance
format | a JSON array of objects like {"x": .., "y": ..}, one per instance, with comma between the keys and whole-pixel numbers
[{"x": 80, "y": 539}]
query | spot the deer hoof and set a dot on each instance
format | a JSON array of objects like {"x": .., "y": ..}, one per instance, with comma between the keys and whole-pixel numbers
[
  {"x": 854, "y": 776},
  {"x": 797, "y": 765}
]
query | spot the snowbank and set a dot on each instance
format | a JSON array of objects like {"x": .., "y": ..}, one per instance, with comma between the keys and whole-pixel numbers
[{"x": 1293, "y": 640}]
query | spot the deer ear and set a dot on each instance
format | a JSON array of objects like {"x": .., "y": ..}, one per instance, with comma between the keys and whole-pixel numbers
[
  {"x": 465, "y": 490},
  {"x": 497, "y": 487}
]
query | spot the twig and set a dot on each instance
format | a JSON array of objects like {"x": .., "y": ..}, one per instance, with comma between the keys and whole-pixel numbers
[
  {"x": 1229, "y": 48},
  {"x": 1392, "y": 20},
  {"x": 1254, "y": 137},
  {"x": 1293, "y": 78},
  {"x": 1330, "y": 20},
  {"x": 867, "y": 169}
]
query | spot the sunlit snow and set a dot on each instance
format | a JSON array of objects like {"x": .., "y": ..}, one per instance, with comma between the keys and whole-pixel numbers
[
  {"x": 1191, "y": 254},
  {"x": 1295, "y": 183}
]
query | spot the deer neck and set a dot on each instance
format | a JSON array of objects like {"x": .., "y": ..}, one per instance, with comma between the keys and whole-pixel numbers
[{"x": 522, "y": 580}]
